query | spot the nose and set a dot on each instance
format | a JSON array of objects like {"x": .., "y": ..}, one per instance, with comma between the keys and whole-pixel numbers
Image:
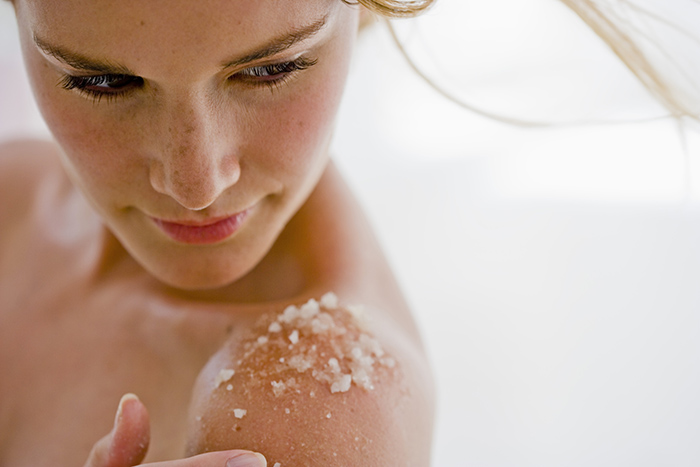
[{"x": 194, "y": 162}]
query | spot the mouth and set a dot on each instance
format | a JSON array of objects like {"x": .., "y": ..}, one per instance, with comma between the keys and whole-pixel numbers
[{"x": 202, "y": 232}]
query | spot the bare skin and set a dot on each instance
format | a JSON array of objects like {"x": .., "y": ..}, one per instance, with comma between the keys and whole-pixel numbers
[
  {"x": 168, "y": 111},
  {"x": 144, "y": 337}
]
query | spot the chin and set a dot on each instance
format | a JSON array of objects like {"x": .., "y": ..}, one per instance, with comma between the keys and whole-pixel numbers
[
  {"x": 198, "y": 273},
  {"x": 194, "y": 284}
]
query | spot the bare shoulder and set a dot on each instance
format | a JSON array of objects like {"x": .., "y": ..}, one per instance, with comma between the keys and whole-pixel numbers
[
  {"x": 320, "y": 383},
  {"x": 24, "y": 166}
]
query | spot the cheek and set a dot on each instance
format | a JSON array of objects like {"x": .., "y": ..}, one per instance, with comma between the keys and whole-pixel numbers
[
  {"x": 92, "y": 144},
  {"x": 98, "y": 154},
  {"x": 296, "y": 133}
]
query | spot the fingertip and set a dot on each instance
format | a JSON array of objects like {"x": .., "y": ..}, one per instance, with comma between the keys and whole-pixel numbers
[
  {"x": 247, "y": 459},
  {"x": 132, "y": 432},
  {"x": 126, "y": 399}
]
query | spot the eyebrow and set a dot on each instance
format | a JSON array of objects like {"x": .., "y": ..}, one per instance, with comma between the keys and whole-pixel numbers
[
  {"x": 96, "y": 65},
  {"x": 81, "y": 62},
  {"x": 279, "y": 44}
]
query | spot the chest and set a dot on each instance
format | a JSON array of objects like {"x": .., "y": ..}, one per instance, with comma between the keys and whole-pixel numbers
[{"x": 68, "y": 353}]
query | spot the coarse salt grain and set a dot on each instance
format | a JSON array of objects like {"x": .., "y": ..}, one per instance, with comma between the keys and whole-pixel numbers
[
  {"x": 223, "y": 376},
  {"x": 277, "y": 464},
  {"x": 333, "y": 363},
  {"x": 239, "y": 413},
  {"x": 229, "y": 387},
  {"x": 287, "y": 411},
  {"x": 289, "y": 314},
  {"x": 329, "y": 301},
  {"x": 294, "y": 337},
  {"x": 262, "y": 340},
  {"x": 300, "y": 363},
  {"x": 341, "y": 385},
  {"x": 278, "y": 387},
  {"x": 274, "y": 327},
  {"x": 309, "y": 309},
  {"x": 328, "y": 415}
]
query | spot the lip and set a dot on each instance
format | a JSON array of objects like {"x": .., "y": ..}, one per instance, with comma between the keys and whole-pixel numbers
[{"x": 203, "y": 232}]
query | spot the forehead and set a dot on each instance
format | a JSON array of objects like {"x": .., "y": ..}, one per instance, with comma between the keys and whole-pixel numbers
[{"x": 132, "y": 31}]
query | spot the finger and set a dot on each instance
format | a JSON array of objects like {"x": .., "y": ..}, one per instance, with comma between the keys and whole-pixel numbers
[
  {"x": 127, "y": 443},
  {"x": 236, "y": 458}
]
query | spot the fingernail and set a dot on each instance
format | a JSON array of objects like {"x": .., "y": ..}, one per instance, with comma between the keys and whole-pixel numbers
[
  {"x": 247, "y": 459},
  {"x": 125, "y": 398}
]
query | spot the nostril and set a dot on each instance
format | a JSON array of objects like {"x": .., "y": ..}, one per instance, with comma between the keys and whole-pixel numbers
[{"x": 195, "y": 187}]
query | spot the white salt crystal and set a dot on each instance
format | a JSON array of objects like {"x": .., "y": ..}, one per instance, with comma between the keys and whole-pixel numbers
[
  {"x": 328, "y": 415},
  {"x": 287, "y": 411},
  {"x": 278, "y": 387},
  {"x": 277, "y": 464},
  {"x": 356, "y": 353},
  {"x": 262, "y": 340},
  {"x": 322, "y": 323},
  {"x": 366, "y": 361},
  {"x": 239, "y": 413},
  {"x": 274, "y": 327},
  {"x": 294, "y": 337},
  {"x": 300, "y": 363},
  {"x": 342, "y": 385},
  {"x": 333, "y": 363},
  {"x": 281, "y": 359},
  {"x": 223, "y": 376},
  {"x": 309, "y": 309},
  {"x": 361, "y": 378},
  {"x": 371, "y": 346},
  {"x": 329, "y": 301},
  {"x": 229, "y": 387},
  {"x": 289, "y": 314}
]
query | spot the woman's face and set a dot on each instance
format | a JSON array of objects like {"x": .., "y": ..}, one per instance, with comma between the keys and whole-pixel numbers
[{"x": 196, "y": 128}]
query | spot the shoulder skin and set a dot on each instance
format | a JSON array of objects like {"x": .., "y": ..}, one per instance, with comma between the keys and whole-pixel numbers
[
  {"x": 24, "y": 166},
  {"x": 325, "y": 386}
]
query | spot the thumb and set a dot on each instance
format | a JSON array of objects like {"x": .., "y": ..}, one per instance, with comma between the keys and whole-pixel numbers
[{"x": 127, "y": 443}]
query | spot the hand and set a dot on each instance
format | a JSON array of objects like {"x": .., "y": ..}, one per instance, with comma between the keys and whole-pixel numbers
[{"x": 127, "y": 443}]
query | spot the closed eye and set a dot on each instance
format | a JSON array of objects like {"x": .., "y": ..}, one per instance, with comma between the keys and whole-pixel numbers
[
  {"x": 274, "y": 74},
  {"x": 99, "y": 86}
]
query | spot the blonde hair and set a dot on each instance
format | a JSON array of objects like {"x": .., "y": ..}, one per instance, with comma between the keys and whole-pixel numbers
[
  {"x": 394, "y": 8},
  {"x": 614, "y": 29},
  {"x": 660, "y": 79}
]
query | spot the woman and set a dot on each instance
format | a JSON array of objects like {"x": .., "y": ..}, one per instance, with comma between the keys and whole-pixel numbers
[
  {"x": 156, "y": 247},
  {"x": 187, "y": 202}
]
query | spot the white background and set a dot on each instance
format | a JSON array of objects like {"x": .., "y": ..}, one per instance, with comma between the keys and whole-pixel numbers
[{"x": 555, "y": 272}]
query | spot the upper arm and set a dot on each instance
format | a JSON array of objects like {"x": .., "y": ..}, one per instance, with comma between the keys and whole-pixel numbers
[{"x": 301, "y": 408}]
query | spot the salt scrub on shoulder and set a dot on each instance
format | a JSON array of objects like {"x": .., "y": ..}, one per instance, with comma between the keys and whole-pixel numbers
[
  {"x": 329, "y": 341},
  {"x": 224, "y": 375}
]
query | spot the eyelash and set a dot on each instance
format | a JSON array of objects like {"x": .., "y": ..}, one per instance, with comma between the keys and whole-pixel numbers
[{"x": 118, "y": 85}]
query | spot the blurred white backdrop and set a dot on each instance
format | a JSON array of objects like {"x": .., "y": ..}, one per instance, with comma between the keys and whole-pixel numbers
[{"x": 554, "y": 272}]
